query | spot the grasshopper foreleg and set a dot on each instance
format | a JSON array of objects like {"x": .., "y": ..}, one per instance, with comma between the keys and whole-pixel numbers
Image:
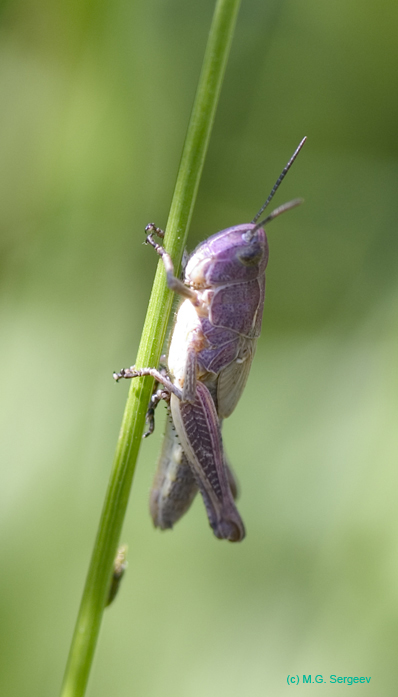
[
  {"x": 153, "y": 230},
  {"x": 173, "y": 282}
]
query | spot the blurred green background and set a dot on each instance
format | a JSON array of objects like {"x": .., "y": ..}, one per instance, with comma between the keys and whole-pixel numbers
[{"x": 94, "y": 103}]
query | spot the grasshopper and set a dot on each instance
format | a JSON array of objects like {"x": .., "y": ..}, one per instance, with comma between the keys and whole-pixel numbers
[{"x": 210, "y": 354}]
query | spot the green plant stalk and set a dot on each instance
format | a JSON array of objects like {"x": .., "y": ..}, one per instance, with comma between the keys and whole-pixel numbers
[{"x": 197, "y": 139}]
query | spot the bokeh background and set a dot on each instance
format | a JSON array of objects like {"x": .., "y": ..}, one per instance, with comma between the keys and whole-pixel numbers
[{"x": 94, "y": 103}]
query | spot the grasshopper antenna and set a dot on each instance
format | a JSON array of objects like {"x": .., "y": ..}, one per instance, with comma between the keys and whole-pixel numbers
[
  {"x": 278, "y": 211},
  {"x": 276, "y": 186}
]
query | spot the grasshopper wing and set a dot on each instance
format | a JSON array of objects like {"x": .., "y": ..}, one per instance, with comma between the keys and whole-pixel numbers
[{"x": 232, "y": 379}]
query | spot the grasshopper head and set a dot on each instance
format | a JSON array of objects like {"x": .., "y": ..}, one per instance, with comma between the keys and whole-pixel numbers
[
  {"x": 231, "y": 256},
  {"x": 239, "y": 253}
]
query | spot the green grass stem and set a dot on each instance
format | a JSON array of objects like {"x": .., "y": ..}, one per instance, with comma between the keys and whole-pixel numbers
[{"x": 153, "y": 335}]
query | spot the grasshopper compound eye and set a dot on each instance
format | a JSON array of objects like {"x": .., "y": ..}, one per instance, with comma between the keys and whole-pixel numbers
[{"x": 252, "y": 254}]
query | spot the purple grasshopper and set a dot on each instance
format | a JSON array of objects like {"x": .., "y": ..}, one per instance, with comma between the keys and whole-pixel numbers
[{"x": 210, "y": 354}]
